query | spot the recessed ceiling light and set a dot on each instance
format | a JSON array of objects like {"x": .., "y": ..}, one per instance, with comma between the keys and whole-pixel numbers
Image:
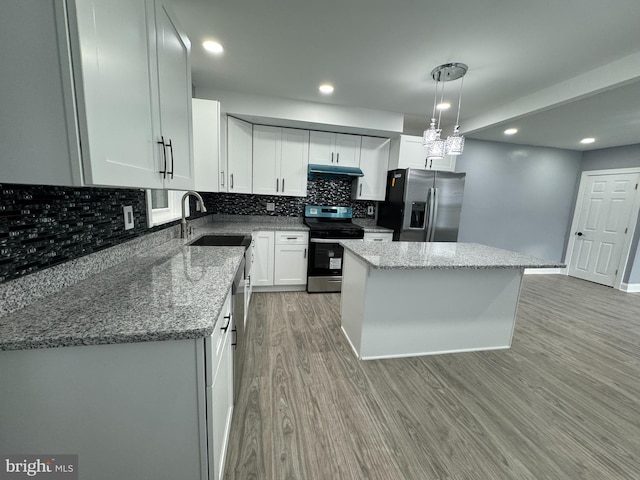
[
  {"x": 326, "y": 88},
  {"x": 443, "y": 106},
  {"x": 511, "y": 131},
  {"x": 587, "y": 140},
  {"x": 213, "y": 47}
]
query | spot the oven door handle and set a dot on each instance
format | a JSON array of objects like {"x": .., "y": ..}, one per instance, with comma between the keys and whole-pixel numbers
[{"x": 324, "y": 240}]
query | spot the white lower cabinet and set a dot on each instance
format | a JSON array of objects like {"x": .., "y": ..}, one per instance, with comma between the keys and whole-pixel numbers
[
  {"x": 378, "y": 237},
  {"x": 280, "y": 258},
  {"x": 290, "y": 259}
]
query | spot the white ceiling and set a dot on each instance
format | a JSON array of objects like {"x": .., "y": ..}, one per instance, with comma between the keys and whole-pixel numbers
[{"x": 557, "y": 70}]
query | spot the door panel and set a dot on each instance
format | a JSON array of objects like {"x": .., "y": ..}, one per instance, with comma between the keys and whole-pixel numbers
[{"x": 604, "y": 216}]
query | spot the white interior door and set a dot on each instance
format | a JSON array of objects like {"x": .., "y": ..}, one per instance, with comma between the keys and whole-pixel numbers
[{"x": 603, "y": 218}]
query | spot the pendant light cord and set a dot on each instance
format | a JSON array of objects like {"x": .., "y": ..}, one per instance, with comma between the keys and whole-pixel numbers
[
  {"x": 459, "y": 102},
  {"x": 441, "y": 100}
]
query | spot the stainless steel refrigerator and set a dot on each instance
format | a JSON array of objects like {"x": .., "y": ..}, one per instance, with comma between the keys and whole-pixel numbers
[{"x": 422, "y": 205}]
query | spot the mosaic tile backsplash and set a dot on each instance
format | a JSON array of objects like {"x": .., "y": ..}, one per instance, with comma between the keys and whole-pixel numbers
[{"x": 42, "y": 226}]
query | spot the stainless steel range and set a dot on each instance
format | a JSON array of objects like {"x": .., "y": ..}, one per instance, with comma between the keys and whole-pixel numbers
[{"x": 326, "y": 225}]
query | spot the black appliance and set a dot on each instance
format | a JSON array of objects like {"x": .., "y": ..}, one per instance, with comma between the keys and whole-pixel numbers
[{"x": 326, "y": 225}]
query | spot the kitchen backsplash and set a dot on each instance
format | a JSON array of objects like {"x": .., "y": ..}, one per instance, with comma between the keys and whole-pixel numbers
[
  {"x": 42, "y": 226},
  {"x": 319, "y": 192}
]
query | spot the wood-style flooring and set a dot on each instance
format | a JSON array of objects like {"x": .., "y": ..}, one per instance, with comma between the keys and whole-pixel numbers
[{"x": 562, "y": 403}]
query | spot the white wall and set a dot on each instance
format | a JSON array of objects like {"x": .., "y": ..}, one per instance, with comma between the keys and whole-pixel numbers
[{"x": 301, "y": 114}]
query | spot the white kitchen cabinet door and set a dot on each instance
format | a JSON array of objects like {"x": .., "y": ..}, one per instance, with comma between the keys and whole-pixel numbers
[
  {"x": 262, "y": 270},
  {"x": 327, "y": 148},
  {"x": 239, "y": 156},
  {"x": 116, "y": 99},
  {"x": 407, "y": 152},
  {"x": 322, "y": 146},
  {"x": 374, "y": 161},
  {"x": 267, "y": 148},
  {"x": 347, "y": 150},
  {"x": 446, "y": 164},
  {"x": 220, "y": 409},
  {"x": 294, "y": 162},
  {"x": 290, "y": 265},
  {"x": 206, "y": 144},
  {"x": 174, "y": 92}
]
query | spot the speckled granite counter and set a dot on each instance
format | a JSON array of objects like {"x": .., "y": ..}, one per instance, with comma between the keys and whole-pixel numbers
[
  {"x": 370, "y": 226},
  {"x": 167, "y": 293},
  {"x": 441, "y": 255}
]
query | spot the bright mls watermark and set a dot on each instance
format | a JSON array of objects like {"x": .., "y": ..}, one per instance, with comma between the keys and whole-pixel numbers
[{"x": 49, "y": 467}]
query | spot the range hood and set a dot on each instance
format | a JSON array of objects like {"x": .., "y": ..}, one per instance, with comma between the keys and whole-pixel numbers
[{"x": 333, "y": 171}]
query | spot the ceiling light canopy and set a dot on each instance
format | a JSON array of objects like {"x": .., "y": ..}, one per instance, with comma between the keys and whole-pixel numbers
[
  {"x": 511, "y": 131},
  {"x": 587, "y": 140},
  {"x": 454, "y": 144},
  {"x": 326, "y": 89},
  {"x": 213, "y": 47}
]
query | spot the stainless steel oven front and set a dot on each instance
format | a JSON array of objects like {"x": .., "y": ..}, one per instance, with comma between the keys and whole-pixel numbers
[{"x": 324, "y": 270}]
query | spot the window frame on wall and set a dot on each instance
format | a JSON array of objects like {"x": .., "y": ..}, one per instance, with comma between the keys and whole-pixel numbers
[{"x": 173, "y": 210}]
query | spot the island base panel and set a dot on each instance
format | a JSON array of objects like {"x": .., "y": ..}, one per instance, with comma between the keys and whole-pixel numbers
[{"x": 400, "y": 313}]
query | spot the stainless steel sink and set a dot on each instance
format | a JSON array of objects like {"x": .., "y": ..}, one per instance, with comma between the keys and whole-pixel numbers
[{"x": 222, "y": 241}]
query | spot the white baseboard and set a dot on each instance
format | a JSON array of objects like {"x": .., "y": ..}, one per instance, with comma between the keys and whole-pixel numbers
[
  {"x": 545, "y": 271},
  {"x": 630, "y": 287},
  {"x": 280, "y": 288}
]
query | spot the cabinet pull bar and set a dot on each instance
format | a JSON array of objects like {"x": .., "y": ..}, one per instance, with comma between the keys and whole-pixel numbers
[
  {"x": 283, "y": 185},
  {"x": 228, "y": 319},
  {"x": 360, "y": 190},
  {"x": 234, "y": 343},
  {"x": 222, "y": 178},
  {"x": 170, "y": 144},
  {"x": 277, "y": 180},
  {"x": 164, "y": 157},
  {"x": 331, "y": 157},
  {"x": 292, "y": 238},
  {"x": 305, "y": 253},
  {"x": 231, "y": 186},
  {"x": 338, "y": 157}
]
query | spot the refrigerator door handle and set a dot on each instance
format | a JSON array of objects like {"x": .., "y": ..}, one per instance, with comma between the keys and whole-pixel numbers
[{"x": 433, "y": 207}]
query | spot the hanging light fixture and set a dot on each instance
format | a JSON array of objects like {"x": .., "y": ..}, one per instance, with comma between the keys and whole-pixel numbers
[{"x": 454, "y": 144}]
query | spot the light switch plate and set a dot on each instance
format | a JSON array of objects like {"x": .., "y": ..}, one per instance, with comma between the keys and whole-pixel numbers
[
  {"x": 271, "y": 207},
  {"x": 128, "y": 217},
  {"x": 370, "y": 210}
]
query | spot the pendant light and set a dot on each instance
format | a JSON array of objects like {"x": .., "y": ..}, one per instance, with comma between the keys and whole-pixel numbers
[{"x": 454, "y": 144}]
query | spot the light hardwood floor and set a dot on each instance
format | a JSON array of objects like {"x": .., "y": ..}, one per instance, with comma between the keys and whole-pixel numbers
[{"x": 562, "y": 403}]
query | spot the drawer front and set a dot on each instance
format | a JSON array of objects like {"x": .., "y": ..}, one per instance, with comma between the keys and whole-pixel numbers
[
  {"x": 378, "y": 237},
  {"x": 292, "y": 238}
]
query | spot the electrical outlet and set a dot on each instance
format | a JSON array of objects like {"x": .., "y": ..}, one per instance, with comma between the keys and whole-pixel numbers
[
  {"x": 370, "y": 210},
  {"x": 128, "y": 217},
  {"x": 271, "y": 207}
]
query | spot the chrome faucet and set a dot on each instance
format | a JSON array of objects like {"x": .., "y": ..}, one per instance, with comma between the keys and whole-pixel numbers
[{"x": 185, "y": 231}]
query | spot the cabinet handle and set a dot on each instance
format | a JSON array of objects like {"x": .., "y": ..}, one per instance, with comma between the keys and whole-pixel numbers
[
  {"x": 164, "y": 157},
  {"x": 234, "y": 342},
  {"x": 222, "y": 178},
  {"x": 277, "y": 189},
  {"x": 231, "y": 186},
  {"x": 292, "y": 238},
  {"x": 226, "y": 327},
  {"x": 360, "y": 190},
  {"x": 338, "y": 157},
  {"x": 283, "y": 185},
  {"x": 377, "y": 239},
  {"x": 170, "y": 145},
  {"x": 305, "y": 253},
  {"x": 331, "y": 157}
]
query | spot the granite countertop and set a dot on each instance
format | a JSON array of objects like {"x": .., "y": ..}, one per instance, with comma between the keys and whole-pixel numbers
[
  {"x": 440, "y": 255},
  {"x": 170, "y": 292},
  {"x": 370, "y": 226}
]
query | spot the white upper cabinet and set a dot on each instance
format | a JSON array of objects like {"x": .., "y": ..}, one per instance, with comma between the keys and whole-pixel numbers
[
  {"x": 174, "y": 86},
  {"x": 407, "y": 152},
  {"x": 340, "y": 149},
  {"x": 280, "y": 160},
  {"x": 206, "y": 145},
  {"x": 374, "y": 160},
  {"x": 107, "y": 79},
  {"x": 239, "y": 156}
]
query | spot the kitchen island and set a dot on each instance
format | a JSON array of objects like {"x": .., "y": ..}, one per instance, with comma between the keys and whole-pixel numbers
[{"x": 405, "y": 299}]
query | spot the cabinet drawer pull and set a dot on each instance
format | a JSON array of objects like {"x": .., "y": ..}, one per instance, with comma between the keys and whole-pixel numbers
[
  {"x": 231, "y": 186},
  {"x": 170, "y": 145},
  {"x": 338, "y": 157},
  {"x": 377, "y": 239},
  {"x": 234, "y": 342},
  {"x": 228, "y": 319},
  {"x": 305, "y": 253},
  {"x": 360, "y": 190},
  {"x": 164, "y": 157},
  {"x": 292, "y": 238},
  {"x": 277, "y": 182},
  {"x": 331, "y": 157},
  {"x": 283, "y": 185},
  {"x": 222, "y": 178}
]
